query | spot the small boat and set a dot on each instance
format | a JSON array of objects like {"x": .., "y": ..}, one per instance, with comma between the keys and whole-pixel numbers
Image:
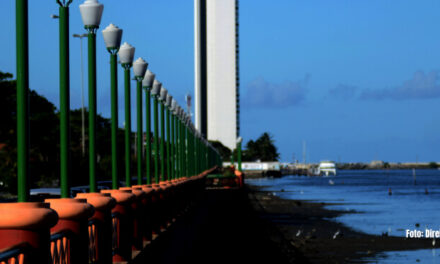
[{"x": 326, "y": 168}]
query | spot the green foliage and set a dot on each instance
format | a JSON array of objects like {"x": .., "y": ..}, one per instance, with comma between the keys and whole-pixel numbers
[
  {"x": 44, "y": 142},
  {"x": 43, "y": 126},
  {"x": 433, "y": 165},
  {"x": 262, "y": 149},
  {"x": 225, "y": 152},
  {"x": 8, "y": 107}
]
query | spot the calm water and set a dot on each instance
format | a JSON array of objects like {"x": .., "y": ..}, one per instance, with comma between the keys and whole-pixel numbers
[{"x": 367, "y": 192}]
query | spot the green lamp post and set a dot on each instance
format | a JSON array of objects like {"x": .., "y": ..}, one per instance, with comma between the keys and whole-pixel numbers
[
  {"x": 147, "y": 83},
  {"x": 112, "y": 38},
  {"x": 64, "y": 97},
  {"x": 126, "y": 54},
  {"x": 22, "y": 58},
  {"x": 182, "y": 143},
  {"x": 155, "y": 93},
  {"x": 178, "y": 142},
  {"x": 139, "y": 69},
  {"x": 239, "y": 140},
  {"x": 91, "y": 13},
  {"x": 186, "y": 141},
  {"x": 167, "y": 102},
  {"x": 198, "y": 152},
  {"x": 173, "y": 139},
  {"x": 162, "y": 99},
  {"x": 191, "y": 147}
]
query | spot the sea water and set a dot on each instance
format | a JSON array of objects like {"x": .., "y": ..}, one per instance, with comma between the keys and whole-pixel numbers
[{"x": 384, "y": 201}]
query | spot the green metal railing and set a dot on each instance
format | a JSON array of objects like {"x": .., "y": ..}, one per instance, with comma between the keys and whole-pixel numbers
[
  {"x": 183, "y": 152},
  {"x": 179, "y": 151}
]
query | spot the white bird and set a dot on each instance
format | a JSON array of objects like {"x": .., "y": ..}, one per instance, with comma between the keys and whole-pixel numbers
[
  {"x": 336, "y": 234},
  {"x": 298, "y": 233}
]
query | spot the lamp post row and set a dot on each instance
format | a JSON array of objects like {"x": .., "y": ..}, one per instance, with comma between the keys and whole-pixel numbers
[{"x": 181, "y": 147}]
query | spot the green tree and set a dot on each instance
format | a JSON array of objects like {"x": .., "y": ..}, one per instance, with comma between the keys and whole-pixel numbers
[
  {"x": 262, "y": 149},
  {"x": 80, "y": 162},
  {"x": 44, "y": 142},
  {"x": 433, "y": 165},
  {"x": 225, "y": 152},
  {"x": 43, "y": 125}
]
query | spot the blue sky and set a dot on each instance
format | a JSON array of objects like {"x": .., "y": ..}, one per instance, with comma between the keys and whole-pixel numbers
[{"x": 355, "y": 80}]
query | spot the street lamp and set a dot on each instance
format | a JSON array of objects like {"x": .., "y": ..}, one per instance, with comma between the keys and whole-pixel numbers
[
  {"x": 112, "y": 38},
  {"x": 91, "y": 12},
  {"x": 139, "y": 69},
  {"x": 199, "y": 152},
  {"x": 83, "y": 133},
  {"x": 147, "y": 83},
  {"x": 187, "y": 152},
  {"x": 190, "y": 145},
  {"x": 182, "y": 142},
  {"x": 168, "y": 100},
  {"x": 175, "y": 164},
  {"x": 64, "y": 97},
  {"x": 239, "y": 140},
  {"x": 22, "y": 47},
  {"x": 155, "y": 93},
  {"x": 126, "y": 54},
  {"x": 162, "y": 98}
]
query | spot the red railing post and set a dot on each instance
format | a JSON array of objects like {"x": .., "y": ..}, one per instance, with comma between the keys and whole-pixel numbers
[
  {"x": 167, "y": 203},
  {"x": 100, "y": 226},
  {"x": 73, "y": 222},
  {"x": 148, "y": 212},
  {"x": 27, "y": 224},
  {"x": 137, "y": 206},
  {"x": 122, "y": 223}
]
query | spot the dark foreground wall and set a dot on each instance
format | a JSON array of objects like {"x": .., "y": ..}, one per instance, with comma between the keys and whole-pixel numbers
[{"x": 222, "y": 228}]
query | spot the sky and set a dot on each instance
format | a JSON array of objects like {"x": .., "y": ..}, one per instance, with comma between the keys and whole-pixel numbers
[{"x": 352, "y": 81}]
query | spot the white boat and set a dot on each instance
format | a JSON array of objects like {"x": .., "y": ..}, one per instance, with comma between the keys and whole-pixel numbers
[{"x": 326, "y": 168}]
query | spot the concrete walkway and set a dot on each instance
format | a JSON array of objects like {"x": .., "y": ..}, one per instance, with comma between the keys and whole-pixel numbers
[{"x": 222, "y": 228}]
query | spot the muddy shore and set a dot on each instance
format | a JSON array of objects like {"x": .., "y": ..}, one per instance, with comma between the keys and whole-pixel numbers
[{"x": 307, "y": 233}]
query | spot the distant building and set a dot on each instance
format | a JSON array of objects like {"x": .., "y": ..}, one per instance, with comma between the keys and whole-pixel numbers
[
  {"x": 217, "y": 70},
  {"x": 377, "y": 164}
]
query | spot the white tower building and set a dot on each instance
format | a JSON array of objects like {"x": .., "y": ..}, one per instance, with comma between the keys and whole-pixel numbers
[{"x": 216, "y": 70}]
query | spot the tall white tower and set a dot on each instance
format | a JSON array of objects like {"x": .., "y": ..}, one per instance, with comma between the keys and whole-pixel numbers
[{"x": 216, "y": 70}]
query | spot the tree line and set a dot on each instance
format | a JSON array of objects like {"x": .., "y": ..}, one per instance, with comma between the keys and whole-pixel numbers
[
  {"x": 44, "y": 158},
  {"x": 262, "y": 149}
]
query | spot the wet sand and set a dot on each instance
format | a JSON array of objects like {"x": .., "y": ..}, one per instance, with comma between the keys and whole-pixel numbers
[{"x": 308, "y": 234}]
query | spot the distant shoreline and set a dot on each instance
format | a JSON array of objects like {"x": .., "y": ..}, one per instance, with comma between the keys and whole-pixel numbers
[{"x": 386, "y": 166}]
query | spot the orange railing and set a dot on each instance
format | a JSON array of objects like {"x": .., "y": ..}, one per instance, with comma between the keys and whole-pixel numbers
[
  {"x": 93, "y": 241},
  {"x": 160, "y": 210},
  {"x": 15, "y": 255},
  {"x": 60, "y": 248}
]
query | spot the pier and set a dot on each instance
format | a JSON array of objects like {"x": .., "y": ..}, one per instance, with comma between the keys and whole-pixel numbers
[{"x": 124, "y": 223}]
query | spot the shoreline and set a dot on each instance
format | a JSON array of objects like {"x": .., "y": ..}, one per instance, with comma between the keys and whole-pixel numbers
[{"x": 306, "y": 232}]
